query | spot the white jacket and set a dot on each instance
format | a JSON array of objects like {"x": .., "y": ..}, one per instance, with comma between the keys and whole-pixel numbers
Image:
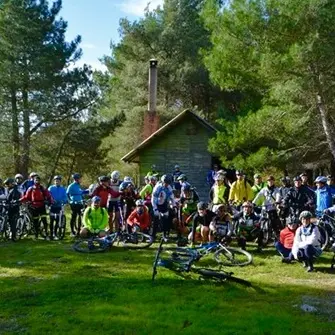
[
  {"x": 269, "y": 198},
  {"x": 302, "y": 241}
]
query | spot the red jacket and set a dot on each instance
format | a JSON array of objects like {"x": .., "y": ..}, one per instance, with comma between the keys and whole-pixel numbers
[
  {"x": 37, "y": 195},
  {"x": 143, "y": 220},
  {"x": 103, "y": 193},
  {"x": 287, "y": 237}
]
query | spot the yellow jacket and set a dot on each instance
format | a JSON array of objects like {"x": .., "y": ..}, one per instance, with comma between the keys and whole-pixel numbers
[
  {"x": 218, "y": 195},
  {"x": 240, "y": 191}
]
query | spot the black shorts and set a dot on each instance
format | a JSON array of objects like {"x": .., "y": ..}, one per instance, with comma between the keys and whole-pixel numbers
[
  {"x": 114, "y": 206},
  {"x": 37, "y": 212}
]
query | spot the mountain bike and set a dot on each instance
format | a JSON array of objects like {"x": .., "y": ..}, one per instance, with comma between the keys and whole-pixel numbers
[
  {"x": 24, "y": 222},
  {"x": 95, "y": 244},
  {"x": 60, "y": 226},
  {"x": 4, "y": 222},
  {"x": 181, "y": 261},
  {"x": 327, "y": 224}
]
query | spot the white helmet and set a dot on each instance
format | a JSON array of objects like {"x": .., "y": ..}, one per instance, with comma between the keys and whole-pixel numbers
[
  {"x": 91, "y": 188},
  {"x": 139, "y": 202},
  {"x": 115, "y": 175},
  {"x": 127, "y": 179},
  {"x": 18, "y": 176}
]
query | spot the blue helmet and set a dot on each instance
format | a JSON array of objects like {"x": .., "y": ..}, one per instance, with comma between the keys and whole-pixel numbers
[
  {"x": 167, "y": 179},
  {"x": 96, "y": 199},
  {"x": 321, "y": 179},
  {"x": 76, "y": 176}
]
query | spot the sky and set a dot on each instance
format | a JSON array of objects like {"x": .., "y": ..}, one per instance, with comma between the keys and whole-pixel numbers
[{"x": 97, "y": 22}]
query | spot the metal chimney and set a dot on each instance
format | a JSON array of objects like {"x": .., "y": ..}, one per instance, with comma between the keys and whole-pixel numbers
[{"x": 152, "y": 105}]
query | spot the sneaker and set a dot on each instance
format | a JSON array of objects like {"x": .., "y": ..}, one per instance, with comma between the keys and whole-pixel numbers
[
  {"x": 310, "y": 268},
  {"x": 55, "y": 238},
  {"x": 304, "y": 264},
  {"x": 73, "y": 235},
  {"x": 47, "y": 238}
]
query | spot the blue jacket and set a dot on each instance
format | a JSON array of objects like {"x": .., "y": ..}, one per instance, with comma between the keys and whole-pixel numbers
[
  {"x": 75, "y": 193},
  {"x": 210, "y": 177},
  {"x": 324, "y": 199},
  {"x": 59, "y": 195},
  {"x": 161, "y": 196}
]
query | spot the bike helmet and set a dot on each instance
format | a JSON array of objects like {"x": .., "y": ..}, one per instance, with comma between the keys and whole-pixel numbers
[
  {"x": 33, "y": 174},
  {"x": 146, "y": 178},
  {"x": 18, "y": 176},
  {"x": 115, "y": 175},
  {"x": 239, "y": 173},
  {"x": 57, "y": 177},
  {"x": 177, "y": 167},
  {"x": 219, "y": 176},
  {"x": 285, "y": 179},
  {"x": 182, "y": 177},
  {"x": 153, "y": 178},
  {"x": 76, "y": 176},
  {"x": 103, "y": 179},
  {"x": 321, "y": 179},
  {"x": 96, "y": 199},
  {"x": 139, "y": 202},
  {"x": 304, "y": 174},
  {"x": 202, "y": 205},
  {"x": 166, "y": 179},
  {"x": 127, "y": 179},
  {"x": 257, "y": 176},
  {"x": 9, "y": 181},
  {"x": 186, "y": 187},
  {"x": 297, "y": 178},
  {"x": 305, "y": 215}
]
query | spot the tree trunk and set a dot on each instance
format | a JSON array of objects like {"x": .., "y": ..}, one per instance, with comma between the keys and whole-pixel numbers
[
  {"x": 326, "y": 124},
  {"x": 15, "y": 132},
  {"x": 26, "y": 134}
]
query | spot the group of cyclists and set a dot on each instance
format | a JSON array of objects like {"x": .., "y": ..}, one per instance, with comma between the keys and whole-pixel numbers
[{"x": 235, "y": 208}]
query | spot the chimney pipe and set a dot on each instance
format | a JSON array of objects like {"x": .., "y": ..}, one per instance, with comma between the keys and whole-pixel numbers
[{"x": 152, "y": 105}]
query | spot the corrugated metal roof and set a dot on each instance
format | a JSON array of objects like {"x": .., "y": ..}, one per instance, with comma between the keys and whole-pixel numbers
[{"x": 129, "y": 157}]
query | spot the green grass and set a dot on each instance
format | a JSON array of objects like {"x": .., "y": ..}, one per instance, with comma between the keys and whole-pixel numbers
[{"x": 47, "y": 288}]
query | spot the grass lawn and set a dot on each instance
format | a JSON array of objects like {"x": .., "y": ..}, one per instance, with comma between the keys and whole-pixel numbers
[{"x": 47, "y": 288}]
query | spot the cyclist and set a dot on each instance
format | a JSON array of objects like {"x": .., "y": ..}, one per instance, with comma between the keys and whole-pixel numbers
[
  {"x": 146, "y": 191},
  {"x": 95, "y": 219},
  {"x": 114, "y": 202},
  {"x": 248, "y": 226},
  {"x": 58, "y": 193},
  {"x": 29, "y": 182},
  {"x": 75, "y": 196},
  {"x": 153, "y": 171},
  {"x": 323, "y": 193},
  {"x": 240, "y": 190},
  {"x": 298, "y": 197},
  {"x": 201, "y": 222},
  {"x": 19, "y": 183},
  {"x": 210, "y": 179},
  {"x": 3, "y": 191},
  {"x": 183, "y": 180},
  {"x": 285, "y": 243},
  {"x": 176, "y": 185},
  {"x": 139, "y": 218},
  {"x": 269, "y": 197},
  {"x": 306, "y": 245},
  {"x": 13, "y": 197},
  {"x": 162, "y": 197},
  {"x": 104, "y": 191},
  {"x": 219, "y": 192},
  {"x": 221, "y": 225},
  {"x": 258, "y": 184},
  {"x": 129, "y": 195},
  {"x": 39, "y": 197},
  {"x": 285, "y": 187}
]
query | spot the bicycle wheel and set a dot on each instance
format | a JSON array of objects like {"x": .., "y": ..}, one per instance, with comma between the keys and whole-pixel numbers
[
  {"x": 221, "y": 276},
  {"x": 136, "y": 240},
  {"x": 91, "y": 245},
  {"x": 233, "y": 257},
  {"x": 20, "y": 227},
  {"x": 324, "y": 237},
  {"x": 154, "y": 266},
  {"x": 61, "y": 228},
  {"x": 267, "y": 232}
]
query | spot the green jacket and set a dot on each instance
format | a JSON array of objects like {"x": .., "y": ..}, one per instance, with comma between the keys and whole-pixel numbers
[{"x": 95, "y": 219}]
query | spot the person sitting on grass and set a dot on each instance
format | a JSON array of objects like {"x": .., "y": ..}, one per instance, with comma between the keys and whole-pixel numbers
[
  {"x": 139, "y": 218},
  {"x": 201, "y": 221},
  {"x": 306, "y": 245},
  {"x": 221, "y": 225},
  {"x": 285, "y": 243},
  {"x": 95, "y": 219}
]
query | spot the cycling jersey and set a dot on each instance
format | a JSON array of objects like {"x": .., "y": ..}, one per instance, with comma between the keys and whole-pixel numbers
[
  {"x": 95, "y": 219},
  {"x": 161, "y": 197},
  {"x": 75, "y": 193},
  {"x": 58, "y": 193},
  {"x": 146, "y": 192},
  {"x": 268, "y": 196},
  {"x": 257, "y": 187},
  {"x": 115, "y": 186},
  {"x": 324, "y": 199},
  {"x": 104, "y": 193},
  {"x": 240, "y": 191},
  {"x": 37, "y": 195},
  {"x": 222, "y": 225},
  {"x": 219, "y": 194}
]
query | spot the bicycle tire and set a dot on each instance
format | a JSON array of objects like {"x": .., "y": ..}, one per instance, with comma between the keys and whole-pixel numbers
[
  {"x": 90, "y": 246},
  {"x": 156, "y": 259},
  {"x": 324, "y": 237},
  {"x": 136, "y": 240},
  {"x": 221, "y": 276},
  {"x": 226, "y": 256},
  {"x": 60, "y": 230},
  {"x": 7, "y": 230},
  {"x": 266, "y": 232},
  {"x": 20, "y": 227}
]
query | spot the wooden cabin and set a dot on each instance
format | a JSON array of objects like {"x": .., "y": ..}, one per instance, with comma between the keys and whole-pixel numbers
[{"x": 182, "y": 141}]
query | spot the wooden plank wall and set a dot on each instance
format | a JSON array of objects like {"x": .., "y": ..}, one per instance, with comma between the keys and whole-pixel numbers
[{"x": 184, "y": 144}]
